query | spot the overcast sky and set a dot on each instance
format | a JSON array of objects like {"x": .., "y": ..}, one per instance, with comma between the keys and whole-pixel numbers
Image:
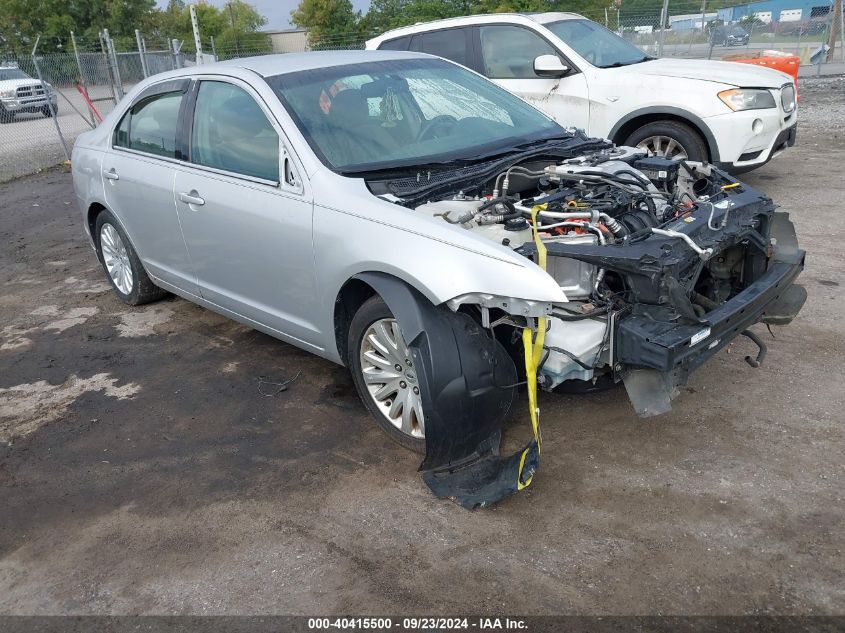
[{"x": 277, "y": 12}]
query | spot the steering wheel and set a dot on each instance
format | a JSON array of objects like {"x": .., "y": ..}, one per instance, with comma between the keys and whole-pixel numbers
[{"x": 430, "y": 127}]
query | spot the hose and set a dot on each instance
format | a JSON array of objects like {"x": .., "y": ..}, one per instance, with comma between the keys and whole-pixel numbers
[{"x": 563, "y": 316}]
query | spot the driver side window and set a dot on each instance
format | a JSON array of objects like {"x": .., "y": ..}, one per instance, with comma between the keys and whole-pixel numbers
[
  {"x": 508, "y": 52},
  {"x": 232, "y": 133}
]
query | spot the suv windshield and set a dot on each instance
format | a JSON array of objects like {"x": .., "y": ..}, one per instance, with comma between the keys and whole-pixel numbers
[
  {"x": 406, "y": 112},
  {"x": 596, "y": 44},
  {"x": 12, "y": 73}
]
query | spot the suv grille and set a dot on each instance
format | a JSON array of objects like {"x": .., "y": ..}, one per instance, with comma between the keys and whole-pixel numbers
[{"x": 30, "y": 91}]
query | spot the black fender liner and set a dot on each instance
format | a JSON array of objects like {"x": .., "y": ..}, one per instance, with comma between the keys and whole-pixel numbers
[{"x": 467, "y": 384}]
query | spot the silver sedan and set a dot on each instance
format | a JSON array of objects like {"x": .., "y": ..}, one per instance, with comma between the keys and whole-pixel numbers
[{"x": 447, "y": 242}]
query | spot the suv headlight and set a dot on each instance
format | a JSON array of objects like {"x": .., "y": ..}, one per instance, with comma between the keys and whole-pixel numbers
[
  {"x": 7, "y": 94},
  {"x": 787, "y": 98},
  {"x": 747, "y": 99}
]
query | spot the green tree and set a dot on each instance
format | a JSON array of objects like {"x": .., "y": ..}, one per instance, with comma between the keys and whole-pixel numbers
[{"x": 328, "y": 21}]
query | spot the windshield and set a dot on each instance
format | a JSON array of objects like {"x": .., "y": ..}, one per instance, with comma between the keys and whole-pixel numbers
[
  {"x": 12, "y": 73},
  {"x": 596, "y": 44},
  {"x": 407, "y": 112}
]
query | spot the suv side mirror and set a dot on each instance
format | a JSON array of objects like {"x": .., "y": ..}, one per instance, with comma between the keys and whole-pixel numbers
[{"x": 550, "y": 66}]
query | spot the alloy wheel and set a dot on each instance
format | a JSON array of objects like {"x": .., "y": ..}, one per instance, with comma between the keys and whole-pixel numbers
[
  {"x": 116, "y": 259},
  {"x": 664, "y": 146},
  {"x": 389, "y": 375}
]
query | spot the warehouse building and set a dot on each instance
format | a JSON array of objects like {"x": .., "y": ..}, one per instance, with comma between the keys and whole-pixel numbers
[{"x": 768, "y": 11}]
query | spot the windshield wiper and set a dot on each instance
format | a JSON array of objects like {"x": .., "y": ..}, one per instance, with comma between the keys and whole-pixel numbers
[
  {"x": 521, "y": 148},
  {"x": 644, "y": 58}
]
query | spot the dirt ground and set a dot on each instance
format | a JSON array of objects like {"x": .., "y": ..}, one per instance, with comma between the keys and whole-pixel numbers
[{"x": 143, "y": 470}]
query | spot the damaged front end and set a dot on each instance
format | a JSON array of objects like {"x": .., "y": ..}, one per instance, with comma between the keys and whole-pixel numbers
[{"x": 663, "y": 263}]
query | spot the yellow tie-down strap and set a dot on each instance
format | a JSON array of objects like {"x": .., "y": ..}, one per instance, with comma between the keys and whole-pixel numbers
[{"x": 533, "y": 347}]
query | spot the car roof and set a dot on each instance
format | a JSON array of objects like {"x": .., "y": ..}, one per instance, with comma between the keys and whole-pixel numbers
[
  {"x": 481, "y": 18},
  {"x": 269, "y": 65}
]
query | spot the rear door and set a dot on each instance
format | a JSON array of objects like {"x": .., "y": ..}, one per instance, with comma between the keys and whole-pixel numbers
[
  {"x": 246, "y": 212},
  {"x": 138, "y": 172},
  {"x": 453, "y": 44},
  {"x": 507, "y": 53}
]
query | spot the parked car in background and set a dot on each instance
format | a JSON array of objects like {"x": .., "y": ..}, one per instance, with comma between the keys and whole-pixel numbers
[
  {"x": 20, "y": 93},
  {"x": 403, "y": 216},
  {"x": 729, "y": 35},
  {"x": 734, "y": 115}
]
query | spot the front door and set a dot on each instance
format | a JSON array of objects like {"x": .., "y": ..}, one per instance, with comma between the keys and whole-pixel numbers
[
  {"x": 246, "y": 214},
  {"x": 507, "y": 57}
]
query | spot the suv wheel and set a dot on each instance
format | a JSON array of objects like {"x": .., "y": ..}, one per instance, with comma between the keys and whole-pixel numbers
[
  {"x": 6, "y": 116},
  {"x": 49, "y": 110},
  {"x": 128, "y": 278},
  {"x": 384, "y": 375},
  {"x": 670, "y": 139}
]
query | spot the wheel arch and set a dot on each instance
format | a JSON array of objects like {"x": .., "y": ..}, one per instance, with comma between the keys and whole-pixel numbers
[
  {"x": 401, "y": 297},
  {"x": 94, "y": 210},
  {"x": 630, "y": 122}
]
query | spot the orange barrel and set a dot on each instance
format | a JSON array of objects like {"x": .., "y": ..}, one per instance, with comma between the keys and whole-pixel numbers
[{"x": 784, "y": 62}]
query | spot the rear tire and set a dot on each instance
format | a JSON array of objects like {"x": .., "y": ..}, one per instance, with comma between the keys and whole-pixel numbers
[
  {"x": 374, "y": 371},
  {"x": 659, "y": 135},
  {"x": 126, "y": 274}
]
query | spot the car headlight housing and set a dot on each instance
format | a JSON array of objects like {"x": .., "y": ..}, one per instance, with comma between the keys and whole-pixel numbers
[
  {"x": 7, "y": 94},
  {"x": 747, "y": 99},
  {"x": 787, "y": 98}
]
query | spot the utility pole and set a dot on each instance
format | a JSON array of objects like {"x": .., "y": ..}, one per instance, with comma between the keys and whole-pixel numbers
[
  {"x": 196, "y": 27},
  {"x": 835, "y": 25}
]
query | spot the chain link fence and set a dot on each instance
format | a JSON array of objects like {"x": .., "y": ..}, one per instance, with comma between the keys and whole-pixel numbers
[{"x": 48, "y": 100}]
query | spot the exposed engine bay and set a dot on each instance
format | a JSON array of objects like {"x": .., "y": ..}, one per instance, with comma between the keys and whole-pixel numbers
[
  {"x": 603, "y": 218},
  {"x": 662, "y": 263}
]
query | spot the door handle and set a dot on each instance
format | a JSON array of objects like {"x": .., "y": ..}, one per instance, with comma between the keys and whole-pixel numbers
[
  {"x": 191, "y": 198},
  {"x": 111, "y": 174}
]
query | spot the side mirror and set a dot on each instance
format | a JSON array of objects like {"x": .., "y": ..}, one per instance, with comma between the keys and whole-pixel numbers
[{"x": 550, "y": 66}]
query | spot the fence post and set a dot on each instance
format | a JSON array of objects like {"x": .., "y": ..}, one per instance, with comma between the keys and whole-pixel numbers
[
  {"x": 141, "y": 54},
  {"x": 54, "y": 114},
  {"x": 177, "y": 58},
  {"x": 664, "y": 18},
  {"x": 82, "y": 79},
  {"x": 213, "y": 49},
  {"x": 113, "y": 54},
  {"x": 835, "y": 22},
  {"x": 107, "y": 59}
]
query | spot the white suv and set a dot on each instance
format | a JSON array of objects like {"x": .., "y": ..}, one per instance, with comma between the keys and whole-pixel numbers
[{"x": 738, "y": 116}]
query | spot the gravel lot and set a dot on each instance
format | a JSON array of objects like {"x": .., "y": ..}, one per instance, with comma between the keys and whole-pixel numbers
[{"x": 143, "y": 471}]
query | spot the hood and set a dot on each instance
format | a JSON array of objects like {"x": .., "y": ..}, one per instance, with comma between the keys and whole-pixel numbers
[{"x": 731, "y": 73}]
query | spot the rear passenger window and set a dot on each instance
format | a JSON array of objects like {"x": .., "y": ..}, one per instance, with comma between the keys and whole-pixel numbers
[
  {"x": 399, "y": 44},
  {"x": 232, "y": 133},
  {"x": 150, "y": 125},
  {"x": 451, "y": 44},
  {"x": 509, "y": 52}
]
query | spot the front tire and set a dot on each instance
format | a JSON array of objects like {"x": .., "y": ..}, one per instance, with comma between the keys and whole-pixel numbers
[
  {"x": 670, "y": 139},
  {"x": 49, "y": 110},
  {"x": 384, "y": 376},
  {"x": 126, "y": 274},
  {"x": 6, "y": 116}
]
